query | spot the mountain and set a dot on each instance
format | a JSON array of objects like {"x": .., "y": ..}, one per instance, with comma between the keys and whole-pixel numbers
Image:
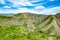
[
  {"x": 27, "y": 19},
  {"x": 32, "y": 26},
  {"x": 4, "y": 14},
  {"x": 51, "y": 25},
  {"x": 18, "y": 18}
]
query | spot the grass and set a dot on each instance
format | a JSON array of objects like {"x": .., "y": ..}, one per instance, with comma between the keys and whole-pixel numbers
[{"x": 20, "y": 32}]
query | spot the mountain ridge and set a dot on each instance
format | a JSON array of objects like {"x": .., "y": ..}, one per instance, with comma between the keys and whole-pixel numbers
[{"x": 41, "y": 25}]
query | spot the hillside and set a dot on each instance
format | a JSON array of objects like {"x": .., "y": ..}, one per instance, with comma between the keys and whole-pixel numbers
[
  {"x": 20, "y": 17},
  {"x": 27, "y": 26},
  {"x": 51, "y": 25}
]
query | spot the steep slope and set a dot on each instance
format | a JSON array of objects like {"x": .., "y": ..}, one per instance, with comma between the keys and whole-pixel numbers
[
  {"x": 51, "y": 25},
  {"x": 58, "y": 18}
]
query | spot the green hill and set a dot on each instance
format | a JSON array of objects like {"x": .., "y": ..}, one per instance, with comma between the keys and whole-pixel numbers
[{"x": 27, "y": 26}]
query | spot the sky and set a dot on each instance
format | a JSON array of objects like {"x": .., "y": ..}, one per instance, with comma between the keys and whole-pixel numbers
[{"x": 32, "y": 6}]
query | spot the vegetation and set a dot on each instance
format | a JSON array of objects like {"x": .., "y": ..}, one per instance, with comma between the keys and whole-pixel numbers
[
  {"x": 27, "y": 27},
  {"x": 20, "y": 32}
]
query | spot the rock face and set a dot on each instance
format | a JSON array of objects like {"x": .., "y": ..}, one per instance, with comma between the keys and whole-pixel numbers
[
  {"x": 51, "y": 25},
  {"x": 46, "y": 23}
]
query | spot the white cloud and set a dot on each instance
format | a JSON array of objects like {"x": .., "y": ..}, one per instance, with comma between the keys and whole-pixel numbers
[
  {"x": 2, "y": 1},
  {"x": 18, "y": 2},
  {"x": 36, "y": 0},
  {"x": 6, "y": 7},
  {"x": 21, "y": 3},
  {"x": 18, "y": 10},
  {"x": 53, "y": 0},
  {"x": 39, "y": 8},
  {"x": 48, "y": 11},
  {"x": 26, "y": 10},
  {"x": 40, "y": 2}
]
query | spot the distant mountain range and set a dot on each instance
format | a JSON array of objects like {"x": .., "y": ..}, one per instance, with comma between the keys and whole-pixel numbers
[{"x": 9, "y": 14}]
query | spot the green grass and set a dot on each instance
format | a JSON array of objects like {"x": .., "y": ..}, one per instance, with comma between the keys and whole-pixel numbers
[{"x": 20, "y": 32}]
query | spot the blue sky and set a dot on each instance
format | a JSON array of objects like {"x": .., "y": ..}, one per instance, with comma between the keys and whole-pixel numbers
[{"x": 32, "y": 6}]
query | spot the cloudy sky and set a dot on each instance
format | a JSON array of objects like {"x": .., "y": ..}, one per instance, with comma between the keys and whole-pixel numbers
[{"x": 33, "y": 6}]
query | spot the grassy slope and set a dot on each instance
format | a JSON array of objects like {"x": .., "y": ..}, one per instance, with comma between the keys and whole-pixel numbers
[{"x": 27, "y": 27}]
